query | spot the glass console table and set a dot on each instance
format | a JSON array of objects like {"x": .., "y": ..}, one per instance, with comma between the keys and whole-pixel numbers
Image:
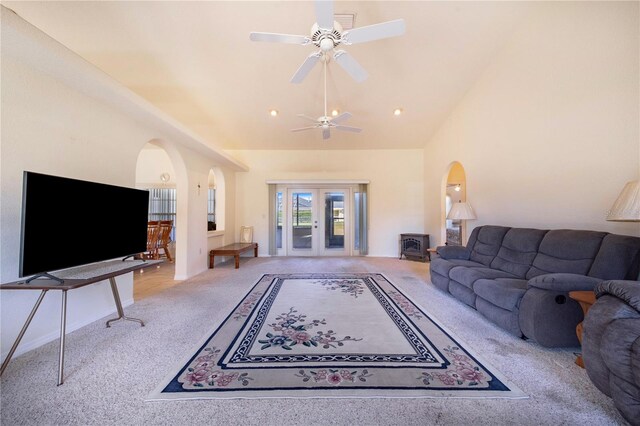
[{"x": 72, "y": 279}]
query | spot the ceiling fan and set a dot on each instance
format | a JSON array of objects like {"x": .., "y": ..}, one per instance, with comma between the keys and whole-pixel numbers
[
  {"x": 325, "y": 122},
  {"x": 328, "y": 35}
]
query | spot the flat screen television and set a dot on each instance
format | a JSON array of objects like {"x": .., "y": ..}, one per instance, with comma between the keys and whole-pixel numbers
[{"x": 69, "y": 222}]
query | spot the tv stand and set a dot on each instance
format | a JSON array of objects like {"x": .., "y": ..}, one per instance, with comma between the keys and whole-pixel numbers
[
  {"x": 45, "y": 275},
  {"x": 110, "y": 272},
  {"x": 133, "y": 256}
]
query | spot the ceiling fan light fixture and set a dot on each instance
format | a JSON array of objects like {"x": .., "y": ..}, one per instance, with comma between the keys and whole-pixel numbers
[
  {"x": 335, "y": 113},
  {"x": 326, "y": 44},
  {"x": 327, "y": 34}
]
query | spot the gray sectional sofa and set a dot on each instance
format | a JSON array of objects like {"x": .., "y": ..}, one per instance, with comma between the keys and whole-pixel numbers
[
  {"x": 611, "y": 345},
  {"x": 519, "y": 278}
]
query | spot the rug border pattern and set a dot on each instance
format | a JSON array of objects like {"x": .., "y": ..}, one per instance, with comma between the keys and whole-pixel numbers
[{"x": 500, "y": 387}]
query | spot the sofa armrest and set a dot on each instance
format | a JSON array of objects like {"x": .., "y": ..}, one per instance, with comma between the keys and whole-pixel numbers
[
  {"x": 453, "y": 252},
  {"x": 628, "y": 291},
  {"x": 564, "y": 282}
]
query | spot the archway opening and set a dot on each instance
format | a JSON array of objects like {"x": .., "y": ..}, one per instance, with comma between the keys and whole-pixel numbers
[
  {"x": 160, "y": 169},
  {"x": 454, "y": 190}
]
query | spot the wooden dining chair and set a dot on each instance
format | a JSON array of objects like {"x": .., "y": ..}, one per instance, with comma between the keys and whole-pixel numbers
[
  {"x": 153, "y": 232},
  {"x": 164, "y": 239}
]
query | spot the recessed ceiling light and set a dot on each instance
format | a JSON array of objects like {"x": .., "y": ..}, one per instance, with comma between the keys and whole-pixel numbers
[
  {"x": 273, "y": 112},
  {"x": 335, "y": 112},
  {"x": 397, "y": 111}
]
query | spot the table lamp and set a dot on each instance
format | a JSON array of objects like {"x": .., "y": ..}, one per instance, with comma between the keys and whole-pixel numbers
[
  {"x": 627, "y": 205},
  {"x": 461, "y": 211}
]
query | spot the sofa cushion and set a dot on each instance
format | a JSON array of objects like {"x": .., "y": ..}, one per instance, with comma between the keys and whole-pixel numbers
[
  {"x": 519, "y": 248},
  {"x": 467, "y": 276},
  {"x": 487, "y": 243},
  {"x": 443, "y": 266},
  {"x": 617, "y": 259},
  {"x": 505, "y": 293},
  {"x": 566, "y": 250}
]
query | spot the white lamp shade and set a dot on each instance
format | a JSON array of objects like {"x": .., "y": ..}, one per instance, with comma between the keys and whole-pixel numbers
[
  {"x": 627, "y": 206},
  {"x": 461, "y": 211}
]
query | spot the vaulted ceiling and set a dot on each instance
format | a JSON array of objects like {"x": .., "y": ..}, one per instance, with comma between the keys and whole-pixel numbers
[{"x": 194, "y": 61}]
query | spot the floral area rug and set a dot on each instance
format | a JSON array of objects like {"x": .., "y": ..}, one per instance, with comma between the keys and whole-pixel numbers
[{"x": 331, "y": 335}]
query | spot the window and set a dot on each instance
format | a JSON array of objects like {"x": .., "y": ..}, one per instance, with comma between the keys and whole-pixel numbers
[
  {"x": 211, "y": 209},
  {"x": 215, "y": 200},
  {"x": 360, "y": 242},
  {"x": 162, "y": 206},
  {"x": 279, "y": 219}
]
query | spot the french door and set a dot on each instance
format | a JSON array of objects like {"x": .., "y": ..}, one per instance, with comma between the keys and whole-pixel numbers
[{"x": 318, "y": 222}]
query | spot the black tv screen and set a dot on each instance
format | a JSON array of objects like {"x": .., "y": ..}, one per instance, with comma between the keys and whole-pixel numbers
[{"x": 69, "y": 222}]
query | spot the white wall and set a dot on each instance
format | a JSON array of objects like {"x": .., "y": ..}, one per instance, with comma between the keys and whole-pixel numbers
[
  {"x": 549, "y": 134},
  {"x": 153, "y": 162},
  {"x": 395, "y": 192},
  {"x": 63, "y": 117},
  {"x": 48, "y": 128}
]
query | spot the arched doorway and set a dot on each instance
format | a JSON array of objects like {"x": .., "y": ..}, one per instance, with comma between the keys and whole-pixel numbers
[
  {"x": 161, "y": 170},
  {"x": 454, "y": 190}
]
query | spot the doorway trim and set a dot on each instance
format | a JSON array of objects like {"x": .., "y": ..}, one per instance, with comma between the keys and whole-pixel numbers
[
  {"x": 350, "y": 186},
  {"x": 307, "y": 182}
]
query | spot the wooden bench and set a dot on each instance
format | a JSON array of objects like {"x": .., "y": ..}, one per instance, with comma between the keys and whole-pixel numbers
[{"x": 234, "y": 250}]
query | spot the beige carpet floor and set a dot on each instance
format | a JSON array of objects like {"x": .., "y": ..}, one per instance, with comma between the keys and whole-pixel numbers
[{"x": 110, "y": 372}]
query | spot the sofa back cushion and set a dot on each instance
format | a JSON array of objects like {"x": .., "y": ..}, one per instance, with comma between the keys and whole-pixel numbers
[
  {"x": 519, "y": 248},
  {"x": 486, "y": 243},
  {"x": 566, "y": 250},
  {"x": 617, "y": 259}
]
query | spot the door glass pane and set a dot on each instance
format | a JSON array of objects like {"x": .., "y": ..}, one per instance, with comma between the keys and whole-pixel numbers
[
  {"x": 301, "y": 220},
  {"x": 356, "y": 223},
  {"x": 334, "y": 220},
  {"x": 279, "y": 219}
]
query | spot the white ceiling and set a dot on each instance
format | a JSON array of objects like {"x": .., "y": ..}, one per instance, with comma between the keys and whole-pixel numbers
[{"x": 194, "y": 61}]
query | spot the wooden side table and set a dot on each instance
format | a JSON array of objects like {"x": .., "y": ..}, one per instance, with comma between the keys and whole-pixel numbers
[
  {"x": 234, "y": 250},
  {"x": 586, "y": 299}
]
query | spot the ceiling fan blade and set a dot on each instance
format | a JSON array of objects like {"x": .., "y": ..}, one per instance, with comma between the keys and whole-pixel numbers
[
  {"x": 324, "y": 14},
  {"x": 308, "y": 118},
  {"x": 306, "y": 66},
  {"x": 326, "y": 133},
  {"x": 349, "y": 128},
  {"x": 374, "y": 32},
  {"x": 351, "y": 66},
  {"x": 341, "y": 117},
  {"x": 280, "y": 38},
  {"x": 304, "y": 128}
]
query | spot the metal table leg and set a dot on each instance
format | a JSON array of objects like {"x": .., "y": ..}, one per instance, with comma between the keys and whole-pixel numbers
[
  {"x": 116, "y": 297},
  {"x": 21, "y": 334},
  {"x": 63, "y": 332}
]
